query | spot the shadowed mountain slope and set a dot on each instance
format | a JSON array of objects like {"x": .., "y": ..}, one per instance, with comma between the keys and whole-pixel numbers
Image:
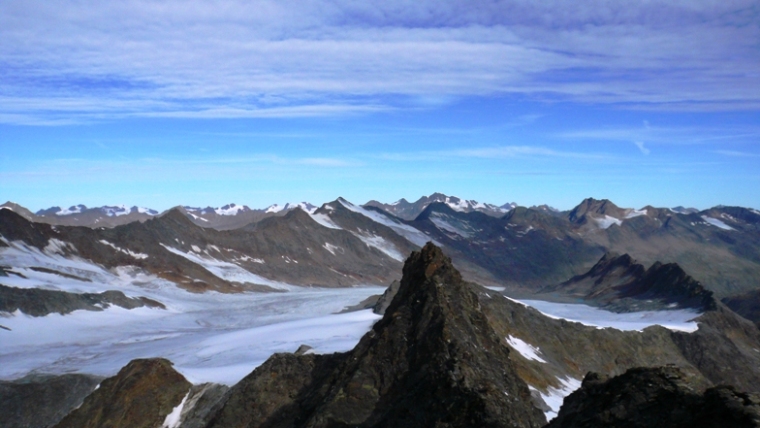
[{"x": 40, "y": 401}]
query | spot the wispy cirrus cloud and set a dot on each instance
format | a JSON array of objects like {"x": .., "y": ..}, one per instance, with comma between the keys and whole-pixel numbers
[
  {"x": 495, "y": 152},
  {"x": 69, "y": 61},
  {"x": 737, "y": 153}
]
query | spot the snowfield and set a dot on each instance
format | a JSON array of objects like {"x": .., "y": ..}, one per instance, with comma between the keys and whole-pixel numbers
[
  {"x": 209, "y": 337},
  {"x": 674, "y": 319}
]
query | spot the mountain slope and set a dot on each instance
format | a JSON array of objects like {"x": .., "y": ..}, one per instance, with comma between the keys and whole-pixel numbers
[
  {"x": 522, "y": 250},
  {"x": 276, "y": 253},
  {"x": 431, "y": 361}
]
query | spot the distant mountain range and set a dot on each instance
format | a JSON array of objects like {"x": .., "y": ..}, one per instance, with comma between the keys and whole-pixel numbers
[
  {"x": 659, "y": 302},
  {"x": 343, "y": 244}
]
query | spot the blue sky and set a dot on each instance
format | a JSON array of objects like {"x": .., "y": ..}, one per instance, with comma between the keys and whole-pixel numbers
[{"x": 258, "y": 102}]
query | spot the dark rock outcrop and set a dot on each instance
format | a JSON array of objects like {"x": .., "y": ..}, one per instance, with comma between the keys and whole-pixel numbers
[
  {"x": 655, "y": 397},
  {"x": 141, "y": 395},
  {"x": 38, "y": 302},
  {"x": 621, "y": 284},
  {"x": 432, "y": 360},
  {"x": 40, "y": 401}
]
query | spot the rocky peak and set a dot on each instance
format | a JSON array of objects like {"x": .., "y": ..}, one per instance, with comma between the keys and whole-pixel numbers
[
  {"x": 595, "y": 208},
  {"x": 620, "y": 283},
  {"x": 611, "y": 262},
  {"x": 432, "y": 360},
  {"x": 142, "y": 394}
]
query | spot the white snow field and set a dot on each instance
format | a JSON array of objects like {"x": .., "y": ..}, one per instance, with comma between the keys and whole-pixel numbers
[
  {"x": 210, "y": 337},
  {"x": 554, "y": 397},
  {"x": 673, "y": 319},
  {"x": 525, "y": 349}
]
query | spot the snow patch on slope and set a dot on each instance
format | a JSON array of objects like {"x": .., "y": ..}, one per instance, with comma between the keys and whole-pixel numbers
[
  {"x": 71, "y": 210},
  {"x": 172, "y": 419},
  {"x": 525, "y": 349},
  {"x": 411, "y": 234},
  {"x": 635, "y": 213},
  {"x": 381, "y": 244},
  {"x": 607, "y": 221},
  {"x": 127, "y": 251},
  {"x": 717, "y": 223},
  {"x": 555, "y": 396},
  {"x": 229, "y": 271},
  {"x": 324, "y": 220},
  {"x": 440, "y": 221},
  {"x": 332, "y": 248},
  {"x": 677, "y": 320},
  {"x": 230, "y": 210}
]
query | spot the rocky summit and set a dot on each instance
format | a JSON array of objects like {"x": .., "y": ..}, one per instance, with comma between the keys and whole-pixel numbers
[
  {"x": 432, "y": 360},
  {"x": 141, "y": 395}
]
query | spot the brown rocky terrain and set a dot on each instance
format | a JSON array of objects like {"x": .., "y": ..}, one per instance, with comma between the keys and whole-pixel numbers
[{"x": 141, "y": 395}]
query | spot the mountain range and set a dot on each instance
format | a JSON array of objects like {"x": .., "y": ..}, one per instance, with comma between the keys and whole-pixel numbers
[
  {"x": 492, "y": 317},
  {"x": 342, "y": 244}
]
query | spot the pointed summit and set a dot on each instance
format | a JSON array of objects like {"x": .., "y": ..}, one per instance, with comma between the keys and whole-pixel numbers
[
  {"x": 142, "y": 394},
  {"x": 433, "y": 360}
]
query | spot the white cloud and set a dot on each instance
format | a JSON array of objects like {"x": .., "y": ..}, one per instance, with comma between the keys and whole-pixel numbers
[
  {"x": 640, "y": 145},
  {"x": 71, "y": 61}
]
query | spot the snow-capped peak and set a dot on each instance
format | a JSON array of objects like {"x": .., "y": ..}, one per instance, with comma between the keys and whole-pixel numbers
[
  {"x": 231, "y": 209},
  {"x": 143, "y": 210},
  {"x": 72, "y": 210},
  {"x": 309, "y": 208},
  {"x": 275, "y": 208},
  {"x": 115, "y": 210},
  {"x": 462, "y": 205}
]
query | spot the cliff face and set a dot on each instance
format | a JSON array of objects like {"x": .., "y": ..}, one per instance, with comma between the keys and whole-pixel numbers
[{"x": 433, "y": 360}]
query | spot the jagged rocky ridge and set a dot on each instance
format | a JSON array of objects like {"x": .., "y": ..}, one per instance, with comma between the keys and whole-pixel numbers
[{"x": 619, "y": 283}]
